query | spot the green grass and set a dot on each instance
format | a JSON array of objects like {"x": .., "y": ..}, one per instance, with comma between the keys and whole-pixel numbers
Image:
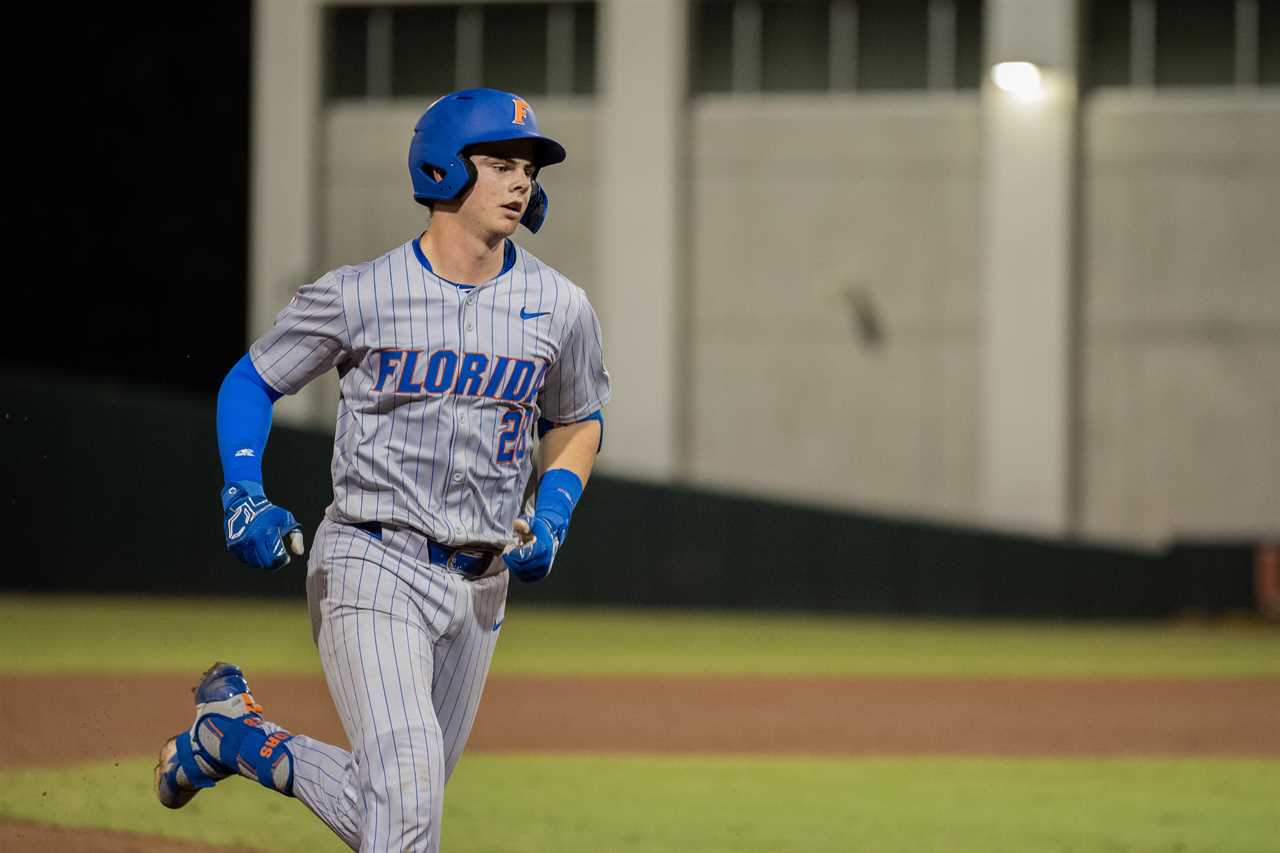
[
  {"x": 529, "y": 804},
  {"x": 107, "y": 633},
  {"x": 630, "y": 641},
  {"x": 47, "y": 633}
]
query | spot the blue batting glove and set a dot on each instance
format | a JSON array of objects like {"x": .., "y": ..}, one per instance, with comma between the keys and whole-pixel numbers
[
  {"x": 531, "y": 559},
  {"x": 257, "y": 531}
]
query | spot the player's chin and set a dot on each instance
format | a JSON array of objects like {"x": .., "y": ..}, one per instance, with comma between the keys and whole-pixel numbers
[{"x": 505, "y": 223}]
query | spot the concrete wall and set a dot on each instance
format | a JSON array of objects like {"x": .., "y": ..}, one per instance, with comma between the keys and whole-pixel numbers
[
  {"x": 834, "y": 293},
  {"x": 1181, "y": 347}
]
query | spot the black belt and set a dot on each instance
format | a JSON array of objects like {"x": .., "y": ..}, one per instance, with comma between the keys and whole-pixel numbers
[{"x": 472, "y": 562}]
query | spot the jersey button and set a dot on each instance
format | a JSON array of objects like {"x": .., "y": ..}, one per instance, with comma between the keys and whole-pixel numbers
[
  {"x": 457, "y": 478},
  {"x": 470, "y": 327}
]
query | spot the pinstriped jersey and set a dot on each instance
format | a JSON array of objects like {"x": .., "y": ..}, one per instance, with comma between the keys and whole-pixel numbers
[{"x": 440, "y": 384}]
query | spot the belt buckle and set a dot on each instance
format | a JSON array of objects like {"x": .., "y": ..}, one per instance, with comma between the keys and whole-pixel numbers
[{"x": 474, "y": 556}]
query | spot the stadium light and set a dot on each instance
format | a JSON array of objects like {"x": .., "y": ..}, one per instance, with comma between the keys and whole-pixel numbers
[{"x": 1022, "y": 80}]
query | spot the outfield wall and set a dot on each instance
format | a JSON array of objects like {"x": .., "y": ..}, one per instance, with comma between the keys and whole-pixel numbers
[{"x": 112, "y": 489}]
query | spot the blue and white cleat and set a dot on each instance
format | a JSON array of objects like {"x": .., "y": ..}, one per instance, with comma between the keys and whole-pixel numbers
[{"x": 189, "y": 761}]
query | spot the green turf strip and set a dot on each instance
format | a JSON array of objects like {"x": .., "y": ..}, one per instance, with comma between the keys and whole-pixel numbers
[
  {"x": 557, "y": 804},
  {"x": 48, "y": 633}
]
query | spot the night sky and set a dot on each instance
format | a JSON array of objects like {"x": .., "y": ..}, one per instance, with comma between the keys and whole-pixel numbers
[{"x": 127, "y": 217}]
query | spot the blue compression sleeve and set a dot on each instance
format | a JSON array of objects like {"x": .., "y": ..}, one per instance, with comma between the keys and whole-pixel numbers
[
  {"x": 244, "y": 420},
  {"x": 558, "y": 493}
]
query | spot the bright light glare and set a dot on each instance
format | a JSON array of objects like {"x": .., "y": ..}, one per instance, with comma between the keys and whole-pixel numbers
[{"x": 1020, "y": 79}]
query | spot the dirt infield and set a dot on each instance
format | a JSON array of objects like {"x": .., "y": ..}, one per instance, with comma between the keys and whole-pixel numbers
[
  {"x": 48, "y": 720},
  {"x": 22, "y": 836}
]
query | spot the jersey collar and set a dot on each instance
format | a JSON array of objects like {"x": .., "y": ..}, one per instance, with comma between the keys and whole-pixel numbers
[{"x": 508, "y": 261}]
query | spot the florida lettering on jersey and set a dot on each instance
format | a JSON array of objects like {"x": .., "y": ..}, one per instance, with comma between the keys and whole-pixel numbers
[
  {"x": 515, "y": 380},
  {"x": 440, "y": 385}
]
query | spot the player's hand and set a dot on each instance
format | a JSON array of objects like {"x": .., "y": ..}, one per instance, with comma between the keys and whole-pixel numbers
[
  {"x": 534, "y": 551},
  {"x": 257, "y": 531}
]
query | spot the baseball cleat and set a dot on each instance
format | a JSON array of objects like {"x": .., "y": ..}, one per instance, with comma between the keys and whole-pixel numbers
[
  {"x": 171, "y": 791},
  {"x": 188, "y": 760}
]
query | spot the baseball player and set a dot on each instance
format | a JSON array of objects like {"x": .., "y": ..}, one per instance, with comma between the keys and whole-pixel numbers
[{"x": 452, "y": 351}]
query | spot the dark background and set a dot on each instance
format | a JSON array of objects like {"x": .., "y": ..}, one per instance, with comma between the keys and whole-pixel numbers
[
  {"x": 127, "y": 228},
  {"x": 128, "y": 185}
]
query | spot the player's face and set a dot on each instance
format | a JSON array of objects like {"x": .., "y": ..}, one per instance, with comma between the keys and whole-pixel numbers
[{"x": 500, "y": 194}]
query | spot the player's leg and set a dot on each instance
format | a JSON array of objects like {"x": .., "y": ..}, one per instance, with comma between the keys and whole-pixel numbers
[
  {"x": 324, "y": 777},
  {"x": 462, "y": 661},
  {"x": 373, "y": 613},
  {"x": 231, "y": 736}
]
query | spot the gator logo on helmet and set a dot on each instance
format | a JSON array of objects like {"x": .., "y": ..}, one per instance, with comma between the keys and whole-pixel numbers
[{"x": 522, "y": 109}]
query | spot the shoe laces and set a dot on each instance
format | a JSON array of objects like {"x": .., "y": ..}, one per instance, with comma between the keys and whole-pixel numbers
[{"x": 251, "y": 706}]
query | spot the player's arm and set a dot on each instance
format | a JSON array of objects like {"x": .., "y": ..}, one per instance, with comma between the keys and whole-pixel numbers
[
  {"x": 256, "y": 531},
  {"x": 568, "y": 454},
  {"x": 572, "y": 399},
  {"x": 309, "y": 337},
  {"x": 572, "y": 446}
]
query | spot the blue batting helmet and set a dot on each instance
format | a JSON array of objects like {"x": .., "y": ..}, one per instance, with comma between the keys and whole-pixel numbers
[{"x": 467, "y": 118}]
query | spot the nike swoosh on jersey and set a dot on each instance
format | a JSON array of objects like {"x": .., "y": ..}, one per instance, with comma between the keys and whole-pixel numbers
[{"x": 527, "y": 315}]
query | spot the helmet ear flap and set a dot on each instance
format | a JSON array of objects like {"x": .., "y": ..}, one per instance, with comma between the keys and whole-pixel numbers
[
  {"x": 429, "y": 188},
  {"x": 536, "y": 212},
  {"x": 471, "y": 173}
]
